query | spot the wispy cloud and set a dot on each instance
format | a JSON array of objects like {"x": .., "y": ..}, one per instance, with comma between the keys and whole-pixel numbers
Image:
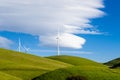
[
  {"x": 4, "y": 42},
  {"x": 42, "y": 17},
  {"x": 62, "y": 51}
]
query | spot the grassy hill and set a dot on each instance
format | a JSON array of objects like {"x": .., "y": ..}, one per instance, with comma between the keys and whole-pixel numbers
[
  {"x": 25, "y": 66},
  {"x": 90, "y": 73},
  {"x": 113, "y": 62},
  {"x": 4, "y": 76},
  {"x": 22, "y": 66},
  {"x": 76, "y": 61},
  {"x": 82, "y": 67}
]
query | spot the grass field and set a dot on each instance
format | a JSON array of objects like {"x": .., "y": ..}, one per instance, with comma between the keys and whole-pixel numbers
[
  {"x": 73, "y": 60},
  {"x": 113, "y": 62},
  {"x": 82, "y": 67},
  {"x": 22, "y": 66},
  {"x": 25, "y": 66},
  {"x": 90, "y": 73}
]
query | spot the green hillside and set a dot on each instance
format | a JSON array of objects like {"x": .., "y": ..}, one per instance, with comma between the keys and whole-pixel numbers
[
  {"x": 82, "y": 67},
  {"x": 22, "y": 66},
  {"x": 25, "y": 66},
  {"x": 90, "y": 73},
  {"x": 113, "y": 62},
  {"x": 73, "y": 60},
  {"x": 4, "y": 76}
]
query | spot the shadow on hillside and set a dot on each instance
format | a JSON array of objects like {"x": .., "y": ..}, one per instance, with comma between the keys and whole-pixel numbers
[
  {"x": 77, "y": 77},
  {"x": 115, "y": 66}
]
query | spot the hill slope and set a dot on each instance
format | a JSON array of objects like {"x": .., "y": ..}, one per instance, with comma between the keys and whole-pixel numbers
[
  {"x": 4, "y": 76},
  {"x": 73, "y": 60},
  {"x": 26, "y": 66},
  {"x": 113, "y": 62},
  {"x": 82, "y": 67},
  {"x": 22, "y": 66}
]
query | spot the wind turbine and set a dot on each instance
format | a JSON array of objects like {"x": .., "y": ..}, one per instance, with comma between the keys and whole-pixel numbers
[
  {"x": 26, "y": 49},
  {"x": 58, "y": 42}
]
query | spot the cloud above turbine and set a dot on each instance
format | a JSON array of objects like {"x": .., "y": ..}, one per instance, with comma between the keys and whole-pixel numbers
[{"x": 42, "y": 17}]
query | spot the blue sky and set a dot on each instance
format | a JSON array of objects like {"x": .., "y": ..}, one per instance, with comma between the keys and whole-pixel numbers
[
  {"x": 99, "y": 47},
  {"x": 106, "y": 47}
]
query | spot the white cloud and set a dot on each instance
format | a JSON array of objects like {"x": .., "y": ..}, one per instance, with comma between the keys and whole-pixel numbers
[
  {"x": 42, "y": 17},
  {"x": 66, "y": 40},
  {"x": 4, "y": 42}
]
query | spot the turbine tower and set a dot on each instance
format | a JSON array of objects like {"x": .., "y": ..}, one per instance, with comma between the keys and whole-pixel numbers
[{"x": 58, "y": 42}]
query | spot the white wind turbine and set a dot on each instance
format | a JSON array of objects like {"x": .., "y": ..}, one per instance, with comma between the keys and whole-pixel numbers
[
  {"x": 22, "y": 47},
  {"x": 26, "y": 49},
  {"x": 58, "y": 42}
]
